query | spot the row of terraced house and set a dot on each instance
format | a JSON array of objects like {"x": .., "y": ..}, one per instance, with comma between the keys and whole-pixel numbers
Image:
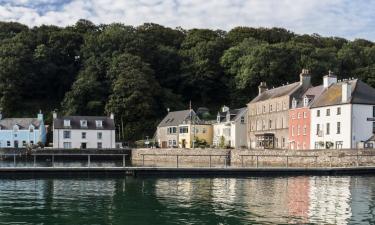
[{"x": 335, "y": 115}]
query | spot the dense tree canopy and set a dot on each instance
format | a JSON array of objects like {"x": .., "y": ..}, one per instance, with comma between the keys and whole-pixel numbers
[{"x": 137, "y": 73}]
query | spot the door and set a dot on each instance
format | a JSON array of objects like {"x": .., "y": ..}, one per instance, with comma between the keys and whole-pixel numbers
[
  {"x": 164, "y": 144},
  {"x": 16, "y": 144},
  {"x": 183, "y": 143},
  {"x": 83, "y": 145}
]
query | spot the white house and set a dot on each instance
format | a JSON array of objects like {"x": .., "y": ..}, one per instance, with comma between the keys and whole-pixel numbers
[
  {"x": 230, "y": 128},
  {"x": 83, "y": 132},
  {"x": 344, "y": 114}
]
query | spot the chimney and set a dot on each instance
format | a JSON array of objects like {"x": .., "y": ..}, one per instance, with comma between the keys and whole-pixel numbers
[
  {"x": 54, "y": 114},
  {"x": 262, "y": 87},
  {"x": 329, "y": 79},
  {"x": 40, "y": 115},
  {"x": 305, "y": 78},
  {"x": 346, "y": 92},
  {"x": 112, "y": 116}
]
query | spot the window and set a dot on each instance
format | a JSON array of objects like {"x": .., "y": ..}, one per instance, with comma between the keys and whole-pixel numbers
[
  {"x": 304, "y": 130},
  {"x": 338, "y": 144},
  {"x": 242, "y": 119},
  {"x": 83, "y": 135},
  {"x": 318, "y": 113},
  {"x": 304, "y": 114},
  {"x": 174, "y": 143},
  {"x": 328, "y": 112},
  {"x": 83, "y": 145},
  {"x": 23, "y": 143},
  {"x": 99, "y": 123},
  {"x": 169, "y": 143},
  {"x": 338, "y": 127},
  {"x": 31, "y": 142},
  {"x": 66, "y": 134},
  {"x": 99, "y": 135},
  {"x": 100, "y": 145},
  {"x": 184, "y": 130},
  {"x": 263, "y": 125},
  {"x": 292, "y": 130},
  {"x": 264, "y": 109},
  {"x": 270, "y": 124},
  {"x": 8, "y": 143},
  {"x": 294, "y": 103},
  {"x": 373, "y": 127},
  {"x": 338, "y": 111},
  {"x": 299, "y": 115},
  {"x": 305, "y": 101},
  {"x": 31, "y": 129},
  {"x": 171, "y": 130},
  {"x": 327, "y": 128},
  {"x": 218, "y": 119},
  {"x": 317, "y": 129},
  {"x": 373, "y": 111},
  {"x": 298, "y": 130},
  {"x": 66, "y": 123},
  {"x": 271, "y": 108},
  {"x": 83, "y": 123},
  {"x": 283, "y": 142},
  {"x": 67, "y": 145},
  {"x": 15, "y": 128}
]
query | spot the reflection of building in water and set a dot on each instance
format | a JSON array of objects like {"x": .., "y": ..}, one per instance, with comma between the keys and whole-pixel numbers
[
  {"x": 298, "y": 198},
  {"x": 330, "y": 200},
  {"x": 361, "y": 203}
]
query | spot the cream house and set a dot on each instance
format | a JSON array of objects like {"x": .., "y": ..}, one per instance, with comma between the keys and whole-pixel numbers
[{"x": 230, "y": 128}]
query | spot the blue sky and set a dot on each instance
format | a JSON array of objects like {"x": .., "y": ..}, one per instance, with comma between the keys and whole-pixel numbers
[{"x": 345, "y": 18}]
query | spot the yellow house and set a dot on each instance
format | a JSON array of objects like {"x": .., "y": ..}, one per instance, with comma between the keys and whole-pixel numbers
[{"x": 199, "y": 132}]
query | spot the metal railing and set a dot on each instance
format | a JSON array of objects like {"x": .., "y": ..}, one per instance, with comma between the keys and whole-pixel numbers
[
  {"x": 281, "y": 156},
  {"x": 357, "y": 156},
  {"x": 189, "y": 155},
  {"x": 89, "y": 157}
]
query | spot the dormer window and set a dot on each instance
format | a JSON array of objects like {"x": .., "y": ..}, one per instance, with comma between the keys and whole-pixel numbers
[
  {"x": 99, "y": 123},
  {"x": 294, "y": 103},
  {"x": 305, "y": 101},
  {"x": 66, "y": 123},
  {"x": 31, "y": 128},
  {"x": 218, "y": 119},
  {"x": 83, "y": 123},
  {"x": 15, "y": 128}
]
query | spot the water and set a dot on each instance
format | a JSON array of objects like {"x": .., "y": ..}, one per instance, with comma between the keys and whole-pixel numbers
[{"x": 129, "y": 200}]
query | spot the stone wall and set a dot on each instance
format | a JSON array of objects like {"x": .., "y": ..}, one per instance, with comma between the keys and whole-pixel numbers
[{"x": 250, "y": 158}]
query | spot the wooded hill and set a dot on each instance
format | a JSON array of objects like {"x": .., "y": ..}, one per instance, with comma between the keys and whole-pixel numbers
[{"x": 139, "y": 72}]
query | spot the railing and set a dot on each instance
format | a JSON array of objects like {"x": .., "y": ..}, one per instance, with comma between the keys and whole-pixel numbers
[
  {"x": 357, "y": 162},
  {"x": 281, "y": 156},
  {"x": 66, "y": 155},
  {"x": 178, "y": 156}
]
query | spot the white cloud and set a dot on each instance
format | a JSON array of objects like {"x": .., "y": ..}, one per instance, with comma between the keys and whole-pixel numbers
[{"x": 327, "y": 17}]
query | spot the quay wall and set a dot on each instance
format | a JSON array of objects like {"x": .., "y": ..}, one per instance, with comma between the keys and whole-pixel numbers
[{"x": 264, "y": 158}]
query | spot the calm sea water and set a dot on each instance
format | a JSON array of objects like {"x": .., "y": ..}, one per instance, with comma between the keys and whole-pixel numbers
[{"x": 129, "y": 200}]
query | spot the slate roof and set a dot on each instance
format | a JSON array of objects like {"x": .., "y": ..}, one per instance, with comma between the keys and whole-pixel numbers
[
  {"x": 23, "y": 123},
  {"x": 276, "y": 92},
  {"x": 108, "y": 123},
  {"x": 362, "y": 93},
  {"x": 234, "y": 114},
  {"x": 312, "y": 93},
  {"x": 175, "y": 118}
]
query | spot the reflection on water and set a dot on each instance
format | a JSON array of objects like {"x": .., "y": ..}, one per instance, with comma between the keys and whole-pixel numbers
[{"x": 128, "y": 200}]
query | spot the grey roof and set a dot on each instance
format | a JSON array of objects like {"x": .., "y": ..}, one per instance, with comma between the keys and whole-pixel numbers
[
  {"x": 175, "y": 118},
  {"x": 75, "y": 122},
  {"x": 312, "y": 93},
  {"x": 362, "y": 93},
  {"x": 234, "y": 114},
  {"x": 23, "y": 123},
  {"x": 277, "y": 92}
]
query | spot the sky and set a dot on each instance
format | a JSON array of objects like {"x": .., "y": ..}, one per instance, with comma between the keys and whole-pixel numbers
[{"x": 343, "y": 18}]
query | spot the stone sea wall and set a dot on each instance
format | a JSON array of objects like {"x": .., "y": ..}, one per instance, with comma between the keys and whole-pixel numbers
[{"x": 253, "y": 158}]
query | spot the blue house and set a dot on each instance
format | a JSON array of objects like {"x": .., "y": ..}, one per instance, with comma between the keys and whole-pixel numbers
[{"x": 22, "y": 132}]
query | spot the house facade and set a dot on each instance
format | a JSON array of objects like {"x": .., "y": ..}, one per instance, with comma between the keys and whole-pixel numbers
[
  {"x": 268, "y": 114},
  {"x": 167, "y": 132},
  {"x": 300, "y": 118},
  {"x": 192, "y": 133},
  {"x": 230, "y": 128},
  {"x": 82, "y": 132},
  {"x": 22, "y": 132},
  {"x": 344, "y": 115}
]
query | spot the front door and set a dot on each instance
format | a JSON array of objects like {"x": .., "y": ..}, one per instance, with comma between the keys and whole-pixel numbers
[
  {"x": 16, "y": 144},
  {"x": 183, "y": 143},
  {"x": 83, "y": 145},
  {"x": 164, "y": 144}
]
